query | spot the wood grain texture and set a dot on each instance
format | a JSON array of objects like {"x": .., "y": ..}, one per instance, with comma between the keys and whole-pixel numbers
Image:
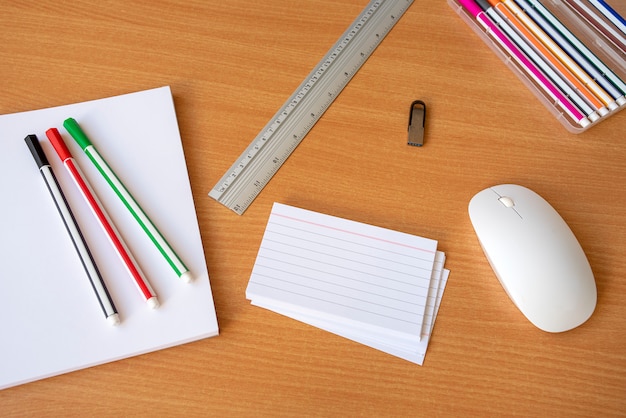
[{"x": 231, "y": 65}]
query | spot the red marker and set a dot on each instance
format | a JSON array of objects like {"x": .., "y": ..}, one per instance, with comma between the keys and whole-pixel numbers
[{"x": 98, "y": 211}]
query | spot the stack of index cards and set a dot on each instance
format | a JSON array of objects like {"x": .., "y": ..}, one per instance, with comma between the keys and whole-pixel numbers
[{"x": 372, "y": 285}]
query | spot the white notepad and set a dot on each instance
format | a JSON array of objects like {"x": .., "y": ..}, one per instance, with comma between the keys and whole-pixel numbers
[
  {"x": 370, "y": 284},
  {"x": 51, "y": 321}
]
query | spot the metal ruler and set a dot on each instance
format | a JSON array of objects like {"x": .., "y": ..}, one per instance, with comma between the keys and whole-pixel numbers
[{"x": 269, "y": 150}]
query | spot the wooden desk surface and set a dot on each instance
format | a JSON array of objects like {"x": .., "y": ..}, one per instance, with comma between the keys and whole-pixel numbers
[{"x": 231, "y": 65}]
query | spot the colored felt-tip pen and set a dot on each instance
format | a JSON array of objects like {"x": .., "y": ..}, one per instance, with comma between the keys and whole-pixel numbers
[
  {"x": 129, "y": 201},
  {"x": 511, "y": 27},
  {"x": 610, "y": 14},
  {"x": 103, "y": 219},
  {"x": 563, "y": 57},
  {"x": 598, "y": 70},
  {"x": 93, "y": 274},
  {"x": 530, "y": 69},
  {"x": 602, "y": 26},
  {"x": 550, "y": 59}
]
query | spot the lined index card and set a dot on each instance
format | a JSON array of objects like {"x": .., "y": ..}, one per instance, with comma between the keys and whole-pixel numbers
[{"x": 348, "y": 275}]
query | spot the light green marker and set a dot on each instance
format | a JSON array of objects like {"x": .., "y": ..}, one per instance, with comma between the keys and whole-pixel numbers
[{"x": 146, "y": 224}]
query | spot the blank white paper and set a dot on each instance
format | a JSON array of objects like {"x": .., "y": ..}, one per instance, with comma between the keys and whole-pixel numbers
[{"x": 52, "y": 323}]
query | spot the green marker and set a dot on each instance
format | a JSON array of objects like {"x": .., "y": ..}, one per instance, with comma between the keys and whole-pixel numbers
[{"x": 146, "y": 224}]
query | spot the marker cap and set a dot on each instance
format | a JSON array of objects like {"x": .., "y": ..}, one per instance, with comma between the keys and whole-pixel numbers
[
  {"x": 114, "y": 320},
  {"x": 57, "y": 142},
  {"x": 35, "y": 148},
  {"x": 77, "y": 132},
  {"x": 186, "y": 277},
  {"x": 471, "y": 7},
  {"x": 153, "y": 302}
]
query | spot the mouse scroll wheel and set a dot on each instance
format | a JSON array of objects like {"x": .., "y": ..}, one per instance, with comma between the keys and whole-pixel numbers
[{"x": 507, "y": 201}]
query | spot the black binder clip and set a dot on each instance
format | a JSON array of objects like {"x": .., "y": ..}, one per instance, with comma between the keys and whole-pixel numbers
[{"x": 417, "y": 116}]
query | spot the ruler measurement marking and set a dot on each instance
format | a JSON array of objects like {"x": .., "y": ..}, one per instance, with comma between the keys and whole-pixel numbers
[{"x": 284, "y": 132}]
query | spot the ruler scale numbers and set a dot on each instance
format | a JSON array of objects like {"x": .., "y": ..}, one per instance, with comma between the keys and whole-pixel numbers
[{"x": 279, "y": 138}]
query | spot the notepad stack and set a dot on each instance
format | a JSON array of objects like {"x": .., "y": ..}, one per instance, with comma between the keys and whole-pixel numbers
[{"x": 372, "y": 285}]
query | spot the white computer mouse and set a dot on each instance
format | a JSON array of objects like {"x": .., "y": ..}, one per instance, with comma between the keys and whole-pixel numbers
[{"x": 535, "y": 255}]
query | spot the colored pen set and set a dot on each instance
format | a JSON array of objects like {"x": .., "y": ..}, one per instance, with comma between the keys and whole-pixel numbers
[
  {"x": 100, "y": 216},
  {"x": 571, "y": 55}
]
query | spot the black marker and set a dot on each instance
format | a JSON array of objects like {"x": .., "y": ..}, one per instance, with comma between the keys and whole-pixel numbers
[{"x": 108, "y": 308}]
